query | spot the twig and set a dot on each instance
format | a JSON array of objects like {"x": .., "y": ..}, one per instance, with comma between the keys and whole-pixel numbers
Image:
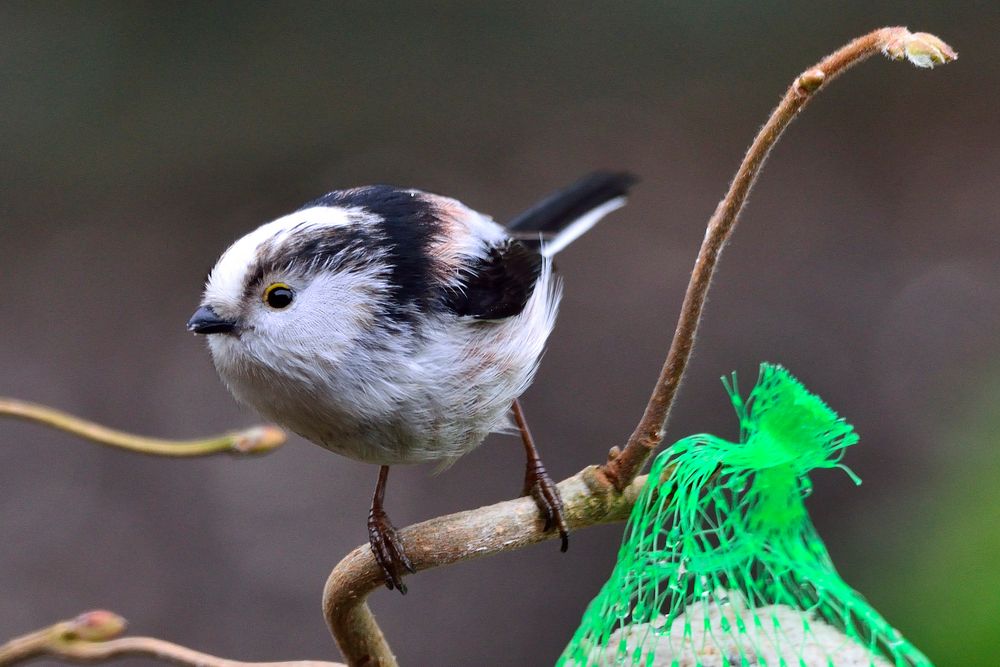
[
  {"x": 506, "y": 526},
  {"x": 93, "y": 637},
  {"x": 255, "y": 440},
  {"x": 921, "y": 49}
]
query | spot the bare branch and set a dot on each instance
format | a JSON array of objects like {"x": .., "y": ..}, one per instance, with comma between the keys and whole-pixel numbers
[
  {"x": 921, "y": 49},
  {"x": 94, "y": 636},
  {"x": 255, "y": 440},
  {"x": 588, "y": 501}
]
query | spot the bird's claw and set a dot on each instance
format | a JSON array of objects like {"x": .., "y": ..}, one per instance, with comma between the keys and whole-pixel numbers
[
  {"x": 388, "y": 550},
  {"x": 540, "y": 486}
]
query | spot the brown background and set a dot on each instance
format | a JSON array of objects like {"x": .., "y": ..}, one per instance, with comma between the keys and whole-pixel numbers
[{"x": 138, "y": 139}]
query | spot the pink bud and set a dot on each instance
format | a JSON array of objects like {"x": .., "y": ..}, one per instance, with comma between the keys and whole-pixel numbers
[{"x": 95, "y": 626}]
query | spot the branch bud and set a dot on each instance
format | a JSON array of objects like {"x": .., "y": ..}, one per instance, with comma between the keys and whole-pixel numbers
[
  {"x": 258, "y": 440},
  {"x": 920, "y": 48},
  {"x": 95, "y": 626},
  {"x": 810, "y": 80}
]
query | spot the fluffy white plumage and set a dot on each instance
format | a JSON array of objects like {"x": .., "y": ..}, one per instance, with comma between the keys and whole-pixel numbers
[
  {"x": 408, "y": 323},
  {"x": 225, "y": 285},
  {"x": 325, "y": 368}
]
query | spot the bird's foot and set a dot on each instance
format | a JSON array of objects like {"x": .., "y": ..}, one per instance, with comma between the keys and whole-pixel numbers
[
  {"x": 388, "y": 550},
  {"x": 540, "y": 486}
]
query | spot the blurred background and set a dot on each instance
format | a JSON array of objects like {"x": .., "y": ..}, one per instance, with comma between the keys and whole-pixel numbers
[{"x": 137, "y": 140}]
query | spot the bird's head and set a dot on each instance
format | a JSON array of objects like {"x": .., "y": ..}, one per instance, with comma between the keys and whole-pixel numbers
[
  {"x": 334, "y": 277},
  {"x": 301, "y": 289}
]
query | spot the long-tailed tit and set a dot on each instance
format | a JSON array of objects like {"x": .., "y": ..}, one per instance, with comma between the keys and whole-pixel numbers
[{"x": 397, "y": 326}]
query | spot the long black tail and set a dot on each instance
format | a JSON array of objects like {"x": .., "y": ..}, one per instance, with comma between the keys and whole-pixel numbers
[{"x": 562, "y": 217}]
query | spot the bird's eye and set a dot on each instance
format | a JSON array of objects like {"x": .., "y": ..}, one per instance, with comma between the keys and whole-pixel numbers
[{"x": 278, "y": 295}]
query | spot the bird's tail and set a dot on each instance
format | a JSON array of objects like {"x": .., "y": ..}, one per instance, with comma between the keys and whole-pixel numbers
[{"x": 562, "y": 217}]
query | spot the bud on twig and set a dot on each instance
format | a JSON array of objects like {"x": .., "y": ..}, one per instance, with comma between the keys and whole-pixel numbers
[
  {"x": 810, "y": 80},
  {"x": 920, "y": 48},
  {"x": 94, "y": 626},
  {"x": 258, "y": 440}
]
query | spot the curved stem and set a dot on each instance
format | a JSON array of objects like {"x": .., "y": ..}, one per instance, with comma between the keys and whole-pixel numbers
[
  {"x": 921, "y": 49},
  {"x": 93, "y": 637},
  {"x": 255, "y": 440},
  {"x": 513, "y": 524}
]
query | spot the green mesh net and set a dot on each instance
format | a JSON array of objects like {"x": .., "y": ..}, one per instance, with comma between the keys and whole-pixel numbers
[{"x": 720, "y": 564}]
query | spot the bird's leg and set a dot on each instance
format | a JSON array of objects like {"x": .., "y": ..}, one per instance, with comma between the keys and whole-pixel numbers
[
  {"x": 537, "y": 482},
  {"x": 384, "y": 541}
]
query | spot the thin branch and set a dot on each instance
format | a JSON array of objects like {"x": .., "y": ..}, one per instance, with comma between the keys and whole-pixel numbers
[
  {"x": 94, "y": 636},
  {"x": 921, "y": 49},
  {"x": 513, "y": 524},
  {"x": 255, "y": 440}
]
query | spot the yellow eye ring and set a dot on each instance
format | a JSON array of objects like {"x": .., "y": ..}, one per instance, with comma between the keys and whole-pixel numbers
[{"x": 278, "y": 296}]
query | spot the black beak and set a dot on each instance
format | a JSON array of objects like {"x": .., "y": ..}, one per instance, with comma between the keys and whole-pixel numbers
[{"x": 205, "y": 321}]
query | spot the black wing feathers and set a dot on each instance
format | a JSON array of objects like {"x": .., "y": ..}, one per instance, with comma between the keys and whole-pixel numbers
[
  {"x": 562, "y": 208},
  {"x": 498, "y": 285}
]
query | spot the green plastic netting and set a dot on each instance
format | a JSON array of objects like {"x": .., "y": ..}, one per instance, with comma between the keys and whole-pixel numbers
[{"x": 720, "y": 563}]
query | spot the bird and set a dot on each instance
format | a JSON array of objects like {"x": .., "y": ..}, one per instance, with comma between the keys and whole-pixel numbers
[{"x": 396, "y": 326}]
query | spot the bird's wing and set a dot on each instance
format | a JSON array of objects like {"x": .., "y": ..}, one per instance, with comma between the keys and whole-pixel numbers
[{"x": 497, "y": 285}]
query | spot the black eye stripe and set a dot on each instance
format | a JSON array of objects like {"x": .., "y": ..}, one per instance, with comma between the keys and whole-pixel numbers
[{"x": 333, "y": 248}]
